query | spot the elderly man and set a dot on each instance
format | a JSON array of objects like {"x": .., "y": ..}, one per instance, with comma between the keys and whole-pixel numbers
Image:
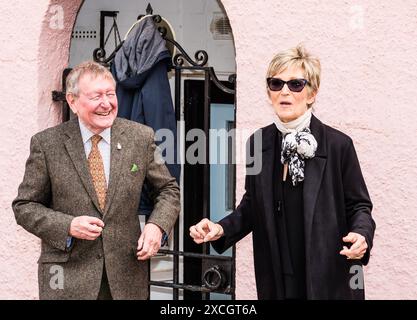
[{"x": 81, "y": 191}]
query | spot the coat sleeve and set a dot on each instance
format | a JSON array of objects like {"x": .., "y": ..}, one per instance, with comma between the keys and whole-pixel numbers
[
  {"x": 167, "y": 194},
  {"x": 238, "y": 224},
  {"x": 31, "y": 204},
  {"x": 357, "y": 201}
]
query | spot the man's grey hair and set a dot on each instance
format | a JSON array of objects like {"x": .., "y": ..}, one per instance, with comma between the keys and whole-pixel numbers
[{"x": 91, "y": 68}]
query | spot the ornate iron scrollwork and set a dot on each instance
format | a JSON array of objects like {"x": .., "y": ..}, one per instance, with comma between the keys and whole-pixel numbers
[
  {"x": 214, "y": 278},
  {"x": 99, "y": 55},
  {"x": 163, "y": 31},
  {"x": 201, "y": 56}
]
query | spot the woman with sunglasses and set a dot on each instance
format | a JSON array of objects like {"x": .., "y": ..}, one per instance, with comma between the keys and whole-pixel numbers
[{"x": 308, "y": 209}]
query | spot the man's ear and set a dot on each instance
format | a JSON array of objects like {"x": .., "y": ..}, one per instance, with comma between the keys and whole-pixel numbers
[{"x": 71, "y": 102}]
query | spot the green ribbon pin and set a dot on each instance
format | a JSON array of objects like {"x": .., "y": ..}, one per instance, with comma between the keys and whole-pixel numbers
[{"x": 134, "y": 168}]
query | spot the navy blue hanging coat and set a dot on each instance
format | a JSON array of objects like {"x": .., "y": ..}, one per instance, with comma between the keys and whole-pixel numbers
[{"x": 140, "y": 68}]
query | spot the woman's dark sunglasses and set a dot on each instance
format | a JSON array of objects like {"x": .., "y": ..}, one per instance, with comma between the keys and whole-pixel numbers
[{"x": 295, "y": 85}]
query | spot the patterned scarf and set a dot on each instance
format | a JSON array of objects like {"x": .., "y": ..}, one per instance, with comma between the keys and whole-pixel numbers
[{"x": 298, "y": 144}]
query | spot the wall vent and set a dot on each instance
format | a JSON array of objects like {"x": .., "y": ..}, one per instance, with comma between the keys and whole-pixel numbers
[
  {"x": 84, "y": 34},
  {"x": 220, "y": 27}
]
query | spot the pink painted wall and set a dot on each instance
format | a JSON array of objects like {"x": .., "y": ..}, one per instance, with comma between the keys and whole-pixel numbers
[
  {"x": 35, "y": 41},
  {"x": 367, "y": 53},
  {"x": 367, "y": 50}
]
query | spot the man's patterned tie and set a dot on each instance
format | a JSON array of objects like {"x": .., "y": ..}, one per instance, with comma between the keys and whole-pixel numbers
[{"x": 95, "y": 162}]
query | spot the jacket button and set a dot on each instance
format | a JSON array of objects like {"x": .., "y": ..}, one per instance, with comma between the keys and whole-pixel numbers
[{"x": 99, "y": 256}]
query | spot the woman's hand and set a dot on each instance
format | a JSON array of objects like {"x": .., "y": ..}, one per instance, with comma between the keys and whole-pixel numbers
[
  {"x": 358, "y": 248},
  {"x": 206, "y": 230}
]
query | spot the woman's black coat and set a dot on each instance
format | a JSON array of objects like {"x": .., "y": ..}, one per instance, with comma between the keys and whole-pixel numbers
[{"x": 336, "y": 202}]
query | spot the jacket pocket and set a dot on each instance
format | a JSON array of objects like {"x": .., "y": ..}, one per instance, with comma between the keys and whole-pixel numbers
[{"x": 51, "y": 257}]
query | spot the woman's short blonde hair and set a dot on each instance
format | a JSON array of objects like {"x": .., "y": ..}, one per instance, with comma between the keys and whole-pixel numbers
[
  {"x": 297, "y": 57},
  {"x": 87, "y": 67}
]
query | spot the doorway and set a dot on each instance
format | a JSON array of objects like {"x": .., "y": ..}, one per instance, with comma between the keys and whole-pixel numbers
[{"x": 196, "y": 25}]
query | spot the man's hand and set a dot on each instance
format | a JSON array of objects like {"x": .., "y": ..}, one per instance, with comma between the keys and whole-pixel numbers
[
  {"x": 149, "y": 241},
  {"x": 206, "y": 230},
  {"x": 86, "y": 228},
  {"x": 358, "y": 248}
]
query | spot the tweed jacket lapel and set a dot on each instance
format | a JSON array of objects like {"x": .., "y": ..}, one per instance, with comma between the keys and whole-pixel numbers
[
  {"x": 119, "y": 148},
  {"x": 75, "y": 149}
]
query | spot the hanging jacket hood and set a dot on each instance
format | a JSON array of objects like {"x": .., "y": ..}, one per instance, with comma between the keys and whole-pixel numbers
[{"x": 143, "y": 49}]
